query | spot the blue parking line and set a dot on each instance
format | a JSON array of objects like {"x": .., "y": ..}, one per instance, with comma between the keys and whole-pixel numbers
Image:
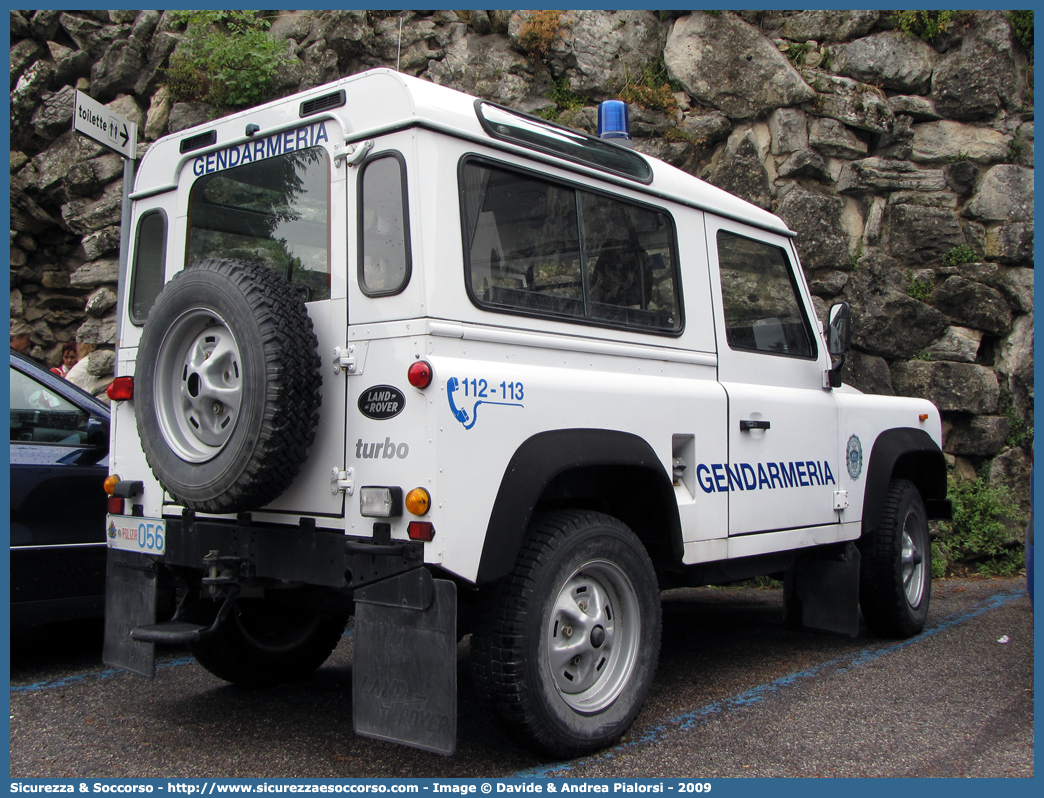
[
  {"x": 69, "y": 681},
  {"x": 693, "y": 718}
]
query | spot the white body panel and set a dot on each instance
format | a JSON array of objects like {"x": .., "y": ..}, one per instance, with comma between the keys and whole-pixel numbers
[{"x": 501, "y": 378}]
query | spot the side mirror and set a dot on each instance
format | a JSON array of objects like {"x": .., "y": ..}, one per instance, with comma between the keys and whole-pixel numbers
[
  {"x": 839, "y": 340},
  {"x": 98, "y": 433},
  {"x": 839, "y": 329}
]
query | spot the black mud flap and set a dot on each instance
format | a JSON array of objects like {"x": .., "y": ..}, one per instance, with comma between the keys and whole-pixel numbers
[
  {"x": 821, "y": 590},
  {"x": 131, "y": 581},
  {"x": 404, "y": 676}
]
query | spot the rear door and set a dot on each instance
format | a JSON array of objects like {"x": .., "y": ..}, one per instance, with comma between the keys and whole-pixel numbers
[{"x": 782, "y": 424}]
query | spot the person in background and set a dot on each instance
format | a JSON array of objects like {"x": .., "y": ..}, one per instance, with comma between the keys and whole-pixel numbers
[
  {"x": 94, "y": 370},
  {"x": 20, "y": 332},
  {"x": 69, "y": 359}
]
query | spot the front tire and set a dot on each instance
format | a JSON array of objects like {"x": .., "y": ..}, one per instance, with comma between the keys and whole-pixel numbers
[
  {"x": 567, "y": 644},
  {"x": 264, "y": 642},
  {"x": 895, "y": 579}
]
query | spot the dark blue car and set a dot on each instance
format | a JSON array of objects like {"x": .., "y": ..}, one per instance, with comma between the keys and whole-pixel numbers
[{"x": 59, "y": 460}]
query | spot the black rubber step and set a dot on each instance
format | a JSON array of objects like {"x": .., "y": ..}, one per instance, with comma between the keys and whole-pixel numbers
[{"x": 169, "y": 632}]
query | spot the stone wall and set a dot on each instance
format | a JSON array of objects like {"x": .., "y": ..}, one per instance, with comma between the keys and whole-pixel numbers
[{"x": 905, "y": 168}]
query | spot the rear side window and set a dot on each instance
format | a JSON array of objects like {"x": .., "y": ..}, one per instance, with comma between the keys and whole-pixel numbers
[
  {"x": 384, "y": 239},
  {"x": 544, "y": 248},
  {"x": 272, "y": 211},
  {"x": 150, "y": 247},
  {"x": 760, "y": 299}
]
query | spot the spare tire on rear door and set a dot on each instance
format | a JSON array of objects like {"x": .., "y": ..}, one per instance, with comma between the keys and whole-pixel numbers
[{"x": 227, "y": 386}]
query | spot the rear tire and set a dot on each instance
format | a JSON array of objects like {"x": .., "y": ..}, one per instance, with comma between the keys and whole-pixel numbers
[
  {"x": 567, "y": 644},
  {"x": 267, "y": 641},
  {"x": 895, "y": 578}
]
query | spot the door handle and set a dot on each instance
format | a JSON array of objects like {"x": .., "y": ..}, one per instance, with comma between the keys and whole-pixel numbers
[{"x": 746, "y": 425}]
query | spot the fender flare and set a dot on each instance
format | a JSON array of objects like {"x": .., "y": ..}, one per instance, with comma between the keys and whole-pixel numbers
[
  {"x": 910, "y": 454},
  {"x": 547, "y": 455}
]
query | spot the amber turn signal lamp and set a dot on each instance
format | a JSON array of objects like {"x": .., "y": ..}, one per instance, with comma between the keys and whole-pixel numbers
[{"x": 418, "y": 501}]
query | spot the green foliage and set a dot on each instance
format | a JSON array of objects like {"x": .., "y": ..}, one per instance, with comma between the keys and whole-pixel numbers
[
  {"x": 924, "y": 354},
  {"x": 960, "y": 254},
  {"x": 225, "y": 58},
  {"x": 1022, "y": 29},
  {"x": 929, "y": 25},
  {"x": 564, "y": 98},
  {"x": 978, "y": 535},
  {"x": 652, "y": 88},
  {"x": 921, "y": 290},
  {"x": 1020, "y": 432},
  {"x": 796, "y": 52}
]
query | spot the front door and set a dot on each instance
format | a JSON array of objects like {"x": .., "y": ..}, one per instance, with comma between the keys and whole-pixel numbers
[{"x": 782, "y": 471}]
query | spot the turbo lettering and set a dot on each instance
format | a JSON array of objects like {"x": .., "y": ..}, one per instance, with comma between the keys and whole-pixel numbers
[
  {"x": 725, "y": 478},
  {"x": 268, "y": 147}
]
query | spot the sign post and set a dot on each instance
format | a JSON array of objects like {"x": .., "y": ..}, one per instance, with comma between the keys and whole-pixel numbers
[{"x": 106, "y": 127}]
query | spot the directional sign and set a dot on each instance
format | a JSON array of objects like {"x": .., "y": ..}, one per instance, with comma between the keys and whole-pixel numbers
[{"x": 93, "y": 119}]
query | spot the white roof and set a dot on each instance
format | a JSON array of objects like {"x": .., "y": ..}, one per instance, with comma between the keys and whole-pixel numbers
[{"x": 383, "y": 98}]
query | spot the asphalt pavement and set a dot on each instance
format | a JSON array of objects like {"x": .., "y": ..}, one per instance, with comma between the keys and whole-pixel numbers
[{"x": 736, "y": 695}]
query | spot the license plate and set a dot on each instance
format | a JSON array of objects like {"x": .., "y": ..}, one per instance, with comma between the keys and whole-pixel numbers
[{"x": 143, "y": 535}]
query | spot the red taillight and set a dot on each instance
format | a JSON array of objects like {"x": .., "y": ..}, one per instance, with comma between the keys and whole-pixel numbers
[
  {"x": 421, "y": 530},
  {"x": 419, "y": 374},
  {"x": 116, "y": 505},
  {"x": 121, "y": 389}
]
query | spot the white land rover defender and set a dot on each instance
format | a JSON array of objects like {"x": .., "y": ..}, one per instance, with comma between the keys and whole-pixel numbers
[{"x": 393, "y": 352}]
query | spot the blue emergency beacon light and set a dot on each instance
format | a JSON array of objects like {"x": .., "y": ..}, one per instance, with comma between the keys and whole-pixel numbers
[{"x": 613, "y": 123}]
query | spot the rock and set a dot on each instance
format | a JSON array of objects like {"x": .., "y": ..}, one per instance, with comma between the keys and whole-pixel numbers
[
  {"x": 54, "y": 116},
  {"x": 705, "y": 128},
  {"x": 856, "y": 104},
  {"x": 97, "y": 331},
  {"x": 127, "y": 107},
  {"x": 978, "y": 79},
  {"x": 789, "y": 129},
  {"x": 946, "y": 141},
  {"x": 828, "y": 285},
  {"x": 1011, "y": 468},
  {"x": 822, "y": 26},
  {"x": 816, "y": 218},
  {"x": 805, "y": 163},
  {"x": 961, "y": 176},
  {"x": 1005, "y": 194},
  {"x": 186, "y": 115},
  {"x": 867, "y": 373},
  {"x": 958, "y": 344},
  {"x": 882, "y": 175},
  {"x": 740, "y": 170},
  {"x": 891, "y": 60},
  {"x": 1011, "y": 243},
  {"x": 96, "y": 273},
  {"x": 90, "y": 35},
  {"x": 488, "y": 66},
  {"x": 921, "y": 234},
  {"x": 1015, "y": 365},
  {"x": 889, "y": 322},
  {"x": 973, "y": 304},
  {"x": 953, "y": 387},
  {"x": 101, "y": 242},
  {"x": 99, "y": 302},
  {"x": 981, "y": 436},
  {"x": 84, "y": 215},
  {"x": 835, "y": 140},
  {"x": 158, "y": 115},
  {"x": 23, "y": 54},
  {"x": 117, "y": 70},
  {"x": 611, "y": 48},
  {"x": 920, "y": 109},
  {"x": 294, "y": 25},
  {"x": 723, "y": 62}
]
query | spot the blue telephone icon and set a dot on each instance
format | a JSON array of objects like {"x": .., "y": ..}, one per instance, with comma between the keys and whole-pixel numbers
[{"x": 461, "y": 415}]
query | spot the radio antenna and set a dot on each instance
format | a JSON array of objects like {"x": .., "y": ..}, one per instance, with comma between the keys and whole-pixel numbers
[{"x": 398, "y": 52}]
